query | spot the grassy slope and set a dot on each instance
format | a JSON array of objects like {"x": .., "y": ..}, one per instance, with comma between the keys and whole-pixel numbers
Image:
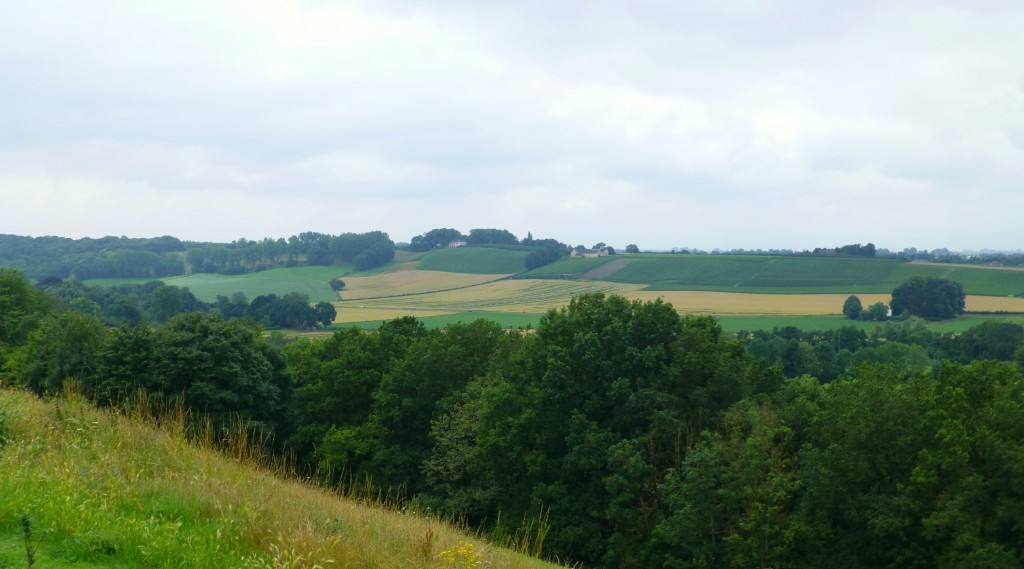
[
  {"x": 753, "y": 274},
  {"x": 474, "y": 260},
  {"x": 310, "y": 280},
  {"x": 103, "y": 490}
]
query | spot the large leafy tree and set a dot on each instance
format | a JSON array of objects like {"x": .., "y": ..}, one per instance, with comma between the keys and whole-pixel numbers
[
  {"x": 22, "y": 307},
  {"x": 582, "y": 419},
  {"x": 929, "y": 297},
  {"x": 63, "y": 347},
  {"x": 221, "y": 368}
]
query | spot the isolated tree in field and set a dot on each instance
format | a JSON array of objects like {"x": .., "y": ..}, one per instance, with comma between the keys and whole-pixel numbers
[
  {"x": 852, "y": 307},
  {"x": 336, "y": 284},
  {"x": 632, "y": 248},
  {"x": 324, "y": 313},
  {"x": 929, "y": 297}
]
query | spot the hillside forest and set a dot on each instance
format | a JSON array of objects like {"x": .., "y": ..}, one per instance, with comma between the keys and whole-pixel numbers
[{"x": 617, "y": 433}]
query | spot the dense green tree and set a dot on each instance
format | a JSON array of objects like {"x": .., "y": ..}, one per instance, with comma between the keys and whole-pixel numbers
[
  {"x": 545, "y": 255},
  {"x": 968, "y": 474},
  {"x": 856, "y": 465},
  {"x": 126, "y": 364},
  {"x": 989, "y": 340},
  {"x": 22, "y": 307},
  {"x": 929, "y": 297},
  {"x": 631, "y": 248},
  {"x": 420, "y": 388},
  {"x": 730, "y": 503},
  {"x": 587, "y": 415},
  {"x": 63, "y": 347},
  {"x": 852, "y": 307},
  {"x": 335, "y": 381},
  {"x": 222, "y": 369},
  {"x": 324, "y": 313},
  {"x": 877, "y": 312}
]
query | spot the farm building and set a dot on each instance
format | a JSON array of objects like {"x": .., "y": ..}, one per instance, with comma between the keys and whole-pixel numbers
[
  {"x": 456, "y": 244},
  {"x": 582, "y": 252}
]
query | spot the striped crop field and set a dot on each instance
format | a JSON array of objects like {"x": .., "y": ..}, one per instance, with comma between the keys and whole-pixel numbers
[
  {"x": 474, "y": 260},
  {"x": 767, "y": 274},
  {"x": 405, "y": 282},
  {"x": 530, "y": 296}
]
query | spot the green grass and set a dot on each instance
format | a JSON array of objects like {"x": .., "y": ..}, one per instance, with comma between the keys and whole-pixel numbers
[
  {"x": 474, "y": 260},
  {"x": 310, "y": 280},
  {"x": 765, "y": 274},
  {"x": 109, "y": 490},
  {"x": 750, "y": 323}
]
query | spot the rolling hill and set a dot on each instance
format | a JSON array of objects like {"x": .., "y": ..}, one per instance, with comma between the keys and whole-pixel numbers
[{"x": 99, "y": 489}]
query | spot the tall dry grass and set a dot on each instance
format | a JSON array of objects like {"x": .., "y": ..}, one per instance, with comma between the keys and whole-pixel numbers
[{"x": 147, "y": 488}]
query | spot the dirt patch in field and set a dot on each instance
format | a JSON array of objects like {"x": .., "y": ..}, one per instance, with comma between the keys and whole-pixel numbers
[{"x": 602, "y": 272}]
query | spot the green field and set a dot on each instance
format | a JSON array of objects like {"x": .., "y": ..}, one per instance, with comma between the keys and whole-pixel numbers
[
  {"x": 505, "y": 319},
  {"x": 474, "y": 260},
  {"x": 765, "y": 274},
  {"x": 310, "y": 280}
]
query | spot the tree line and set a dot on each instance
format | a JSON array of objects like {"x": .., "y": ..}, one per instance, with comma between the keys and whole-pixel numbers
[
  {"x": 618, "y": 433},
  {"x": 156, "y": 302},
  {"x": 123, "y": 257}
]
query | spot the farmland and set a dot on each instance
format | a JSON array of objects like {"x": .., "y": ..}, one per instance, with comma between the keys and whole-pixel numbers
[
  {"x": 468, "y": 282},
  {"x": 473, "y": 260},
  {"x": 787, "y": 275},
  {"x": 405, "y": 282}
]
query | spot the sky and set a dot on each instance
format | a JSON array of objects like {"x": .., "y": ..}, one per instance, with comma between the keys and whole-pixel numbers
[{"x": 665, "y": 123}]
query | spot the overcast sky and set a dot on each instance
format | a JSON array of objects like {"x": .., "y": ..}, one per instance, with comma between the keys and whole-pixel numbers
[{"x": 665, "y": 123}]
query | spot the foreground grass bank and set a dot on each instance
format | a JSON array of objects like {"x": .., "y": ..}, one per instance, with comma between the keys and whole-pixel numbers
[{"x": 104, "y": 490}]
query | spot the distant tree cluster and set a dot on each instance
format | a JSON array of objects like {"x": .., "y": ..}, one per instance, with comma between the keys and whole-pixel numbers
[
  {"x": 540, "y": 252},
  {"x": 88, "y": 258},
  {"x": 121, "y": 257},
  {"x": 155, "y": 302},
  {"x": 364, "y": 250},
  {"x": 854, "y": 310},
  {"x": 435, "y": 238},
  {"x": 855, "y": 250}
]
